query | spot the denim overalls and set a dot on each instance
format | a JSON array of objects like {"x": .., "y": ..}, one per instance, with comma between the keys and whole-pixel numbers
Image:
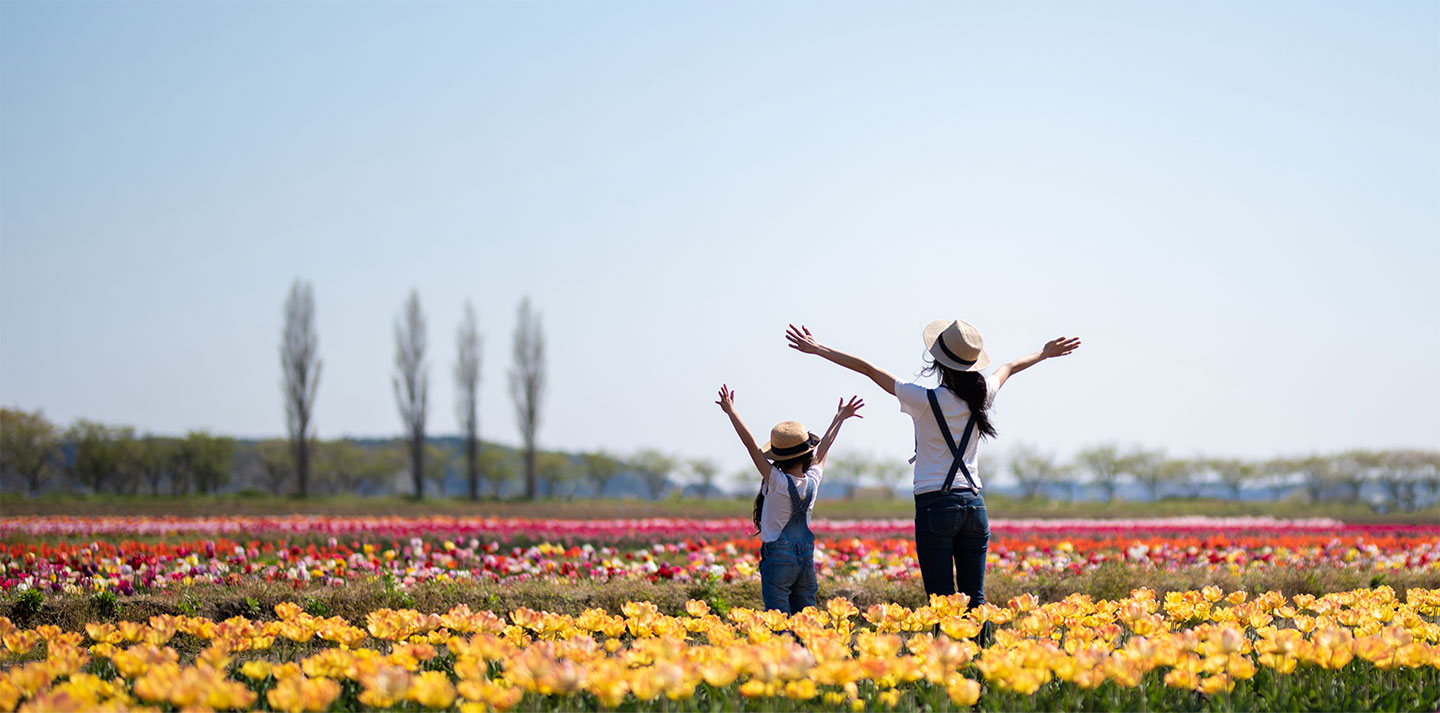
[
  {"x": 787, "y": 565},
  {"x": 952, "y": 529}
]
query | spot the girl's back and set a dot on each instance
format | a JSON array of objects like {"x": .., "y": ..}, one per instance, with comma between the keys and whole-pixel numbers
[{"x": 777, "y": 508}]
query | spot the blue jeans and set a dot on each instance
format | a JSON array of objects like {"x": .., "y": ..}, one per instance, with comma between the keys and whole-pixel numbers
[
  {"x": 952, "y": 537},
  {"x": 787, "y": 575}
]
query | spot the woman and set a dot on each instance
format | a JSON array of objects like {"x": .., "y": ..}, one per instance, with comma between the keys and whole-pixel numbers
[{"x": 952, "y": 530}]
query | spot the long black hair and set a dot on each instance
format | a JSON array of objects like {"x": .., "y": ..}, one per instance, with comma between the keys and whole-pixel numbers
[
  {"x": 804, "y": 461},
  {"x": 971, "y": 388}
]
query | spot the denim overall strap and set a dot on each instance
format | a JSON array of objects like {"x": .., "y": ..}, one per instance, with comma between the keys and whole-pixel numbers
[
  {"x": 957, "y": 451},
  {"x": 796, "y": 528}
]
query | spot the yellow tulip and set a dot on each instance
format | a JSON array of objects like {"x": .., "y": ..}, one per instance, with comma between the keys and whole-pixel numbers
[
  {"x": 1332, "y": 647},
  {"x": 1124, "y": 673},
  {"x": 802, "y": 690},
  {"x": 319, "y": 693},
  {"x": 256, "y": 670},
  {"x": 1240, "y": 667},
  {"x": 32, "y": 677},
  {"x": 960, "y": 628},
  {"x": 718, "y": 674},
  {"x": 138, "y": 659},
  {"x": 963, "y": 691},
  {"x": 889, "y": 699},
  {"x": 468, "y": 689},
  {"x": 10, "y": 694},
  {"x": 384, "y": 686},
  {"x": 21, "y": 641},
  {"x": 841, "y": 608},
  {"x": 1280, "y": 663},
  {"x": 223, "y": 695},
  {"x": 1026, "y": 681},
  {"x": 503, "y": 698},
  {"x": 289, "y": 669},
  {"x": 1215, "y": 684},
  {"x": 432, "y": 689},
  {"x": 216, "y": 656},
  {"x": 882, "y": 646},
  {"x": 1182, "y": 678},
  {"x": 1024, "y": 602},
  {"x": 286, "y": 696},
  {"x": 104, "y": 633}
]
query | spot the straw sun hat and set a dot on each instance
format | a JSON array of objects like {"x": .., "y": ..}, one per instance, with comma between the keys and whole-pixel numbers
[
  {"x": 956, "y": 344},
  {"x": 789, "y": 439}
]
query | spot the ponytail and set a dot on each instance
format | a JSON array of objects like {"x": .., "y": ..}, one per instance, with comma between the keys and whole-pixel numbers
[
  {"x": 759, "y": 504},
  {"x": 971, "y": 387}
]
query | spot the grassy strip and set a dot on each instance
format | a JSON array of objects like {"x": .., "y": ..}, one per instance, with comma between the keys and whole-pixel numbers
[
  {"x": 898, "y": 507},
  {"x": 357, "y": 599}
]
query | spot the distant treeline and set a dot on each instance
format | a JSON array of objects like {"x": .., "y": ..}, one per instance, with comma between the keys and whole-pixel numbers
[
  {"x": 1395, "y": 479},
  {"x": 1398, "y": 479},
  {"x": 92, "y": 457}
]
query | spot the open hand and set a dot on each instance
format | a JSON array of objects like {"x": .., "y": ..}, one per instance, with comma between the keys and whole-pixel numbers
[
  {"x": 800, "y": 339},
  {"x": 727, "y": 399},
  {"x": 851, "y": 409},
  {"x": 1060, "y": 346}
]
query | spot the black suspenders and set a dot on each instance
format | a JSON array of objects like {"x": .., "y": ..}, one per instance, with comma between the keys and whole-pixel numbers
[{"x": 959, "y": 452}]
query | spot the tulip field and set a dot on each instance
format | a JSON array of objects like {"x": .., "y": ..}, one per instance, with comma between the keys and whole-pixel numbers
[
  {"x": 132, "y": 554},
  {"x": 144, "y": 639}
]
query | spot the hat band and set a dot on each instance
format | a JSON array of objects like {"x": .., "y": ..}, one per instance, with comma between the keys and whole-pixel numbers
[
  {"x": 794, "y": 450},
  {"x": 940, "y": 340}
]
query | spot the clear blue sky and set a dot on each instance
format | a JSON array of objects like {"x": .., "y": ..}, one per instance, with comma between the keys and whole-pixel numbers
[{"x": 1234, "y": 204}]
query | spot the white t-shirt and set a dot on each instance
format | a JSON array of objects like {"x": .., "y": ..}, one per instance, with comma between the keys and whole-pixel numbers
[
  {"x": 776, "y": 510},
  {"x": 932, "y": 455}
]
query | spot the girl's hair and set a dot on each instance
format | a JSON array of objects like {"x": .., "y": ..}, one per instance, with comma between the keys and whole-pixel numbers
[
  {"x": 970, "y": 387},
  {"x": 759, "y": 503},
  {"x": 804, "y": 461}
]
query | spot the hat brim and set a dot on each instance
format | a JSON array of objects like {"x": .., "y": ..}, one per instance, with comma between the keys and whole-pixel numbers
[
  {"x": 932, "y": 333},
  {"x": 768, "y": 451}
]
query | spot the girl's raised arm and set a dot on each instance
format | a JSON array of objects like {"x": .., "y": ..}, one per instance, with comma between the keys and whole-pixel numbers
[
  {"x": 843, "y": 412},
  {"x": 727, "y": 404},
  {"x": 802, "y": 341},
  {"x": 1057, "y": 347}
]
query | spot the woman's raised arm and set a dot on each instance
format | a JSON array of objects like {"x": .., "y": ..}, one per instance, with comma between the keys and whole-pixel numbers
[
  {"x": 1057, "y": 347},
  {"x": 803, "y": 341}
]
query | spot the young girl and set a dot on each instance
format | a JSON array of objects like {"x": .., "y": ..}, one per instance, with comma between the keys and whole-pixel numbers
[{"x": 786, "y": 501}]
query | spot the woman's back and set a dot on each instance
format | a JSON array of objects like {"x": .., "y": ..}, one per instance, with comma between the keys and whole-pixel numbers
[{"x": 932, "y": 454}]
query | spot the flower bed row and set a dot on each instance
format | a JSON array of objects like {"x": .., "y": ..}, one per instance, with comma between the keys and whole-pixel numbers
[
  {"x": 648, "y": 529},
  {"x": 127, "y": 567},
  {"x": 1364, "y": 649}
]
